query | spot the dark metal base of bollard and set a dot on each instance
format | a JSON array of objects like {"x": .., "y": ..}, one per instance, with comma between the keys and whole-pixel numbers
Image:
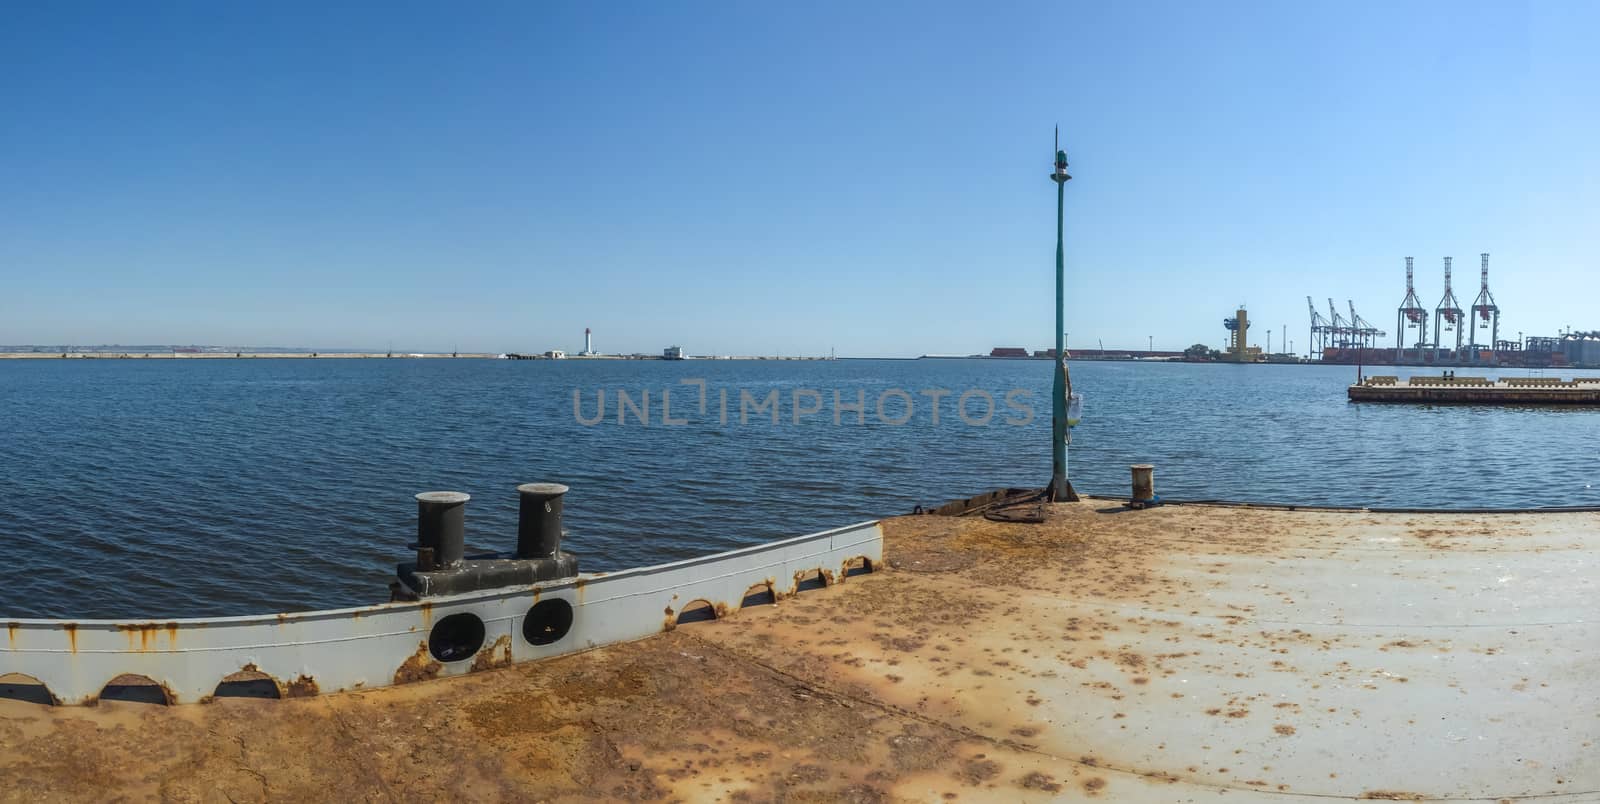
[
  {"x": 486, "y": 572},
  {"x": 1150, "y": 503}
]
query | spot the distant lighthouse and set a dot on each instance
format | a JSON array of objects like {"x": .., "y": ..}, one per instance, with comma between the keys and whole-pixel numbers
[{"x": 588, "y": 342}]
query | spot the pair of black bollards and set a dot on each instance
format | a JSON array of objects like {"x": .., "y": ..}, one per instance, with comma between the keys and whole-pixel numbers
[{"x": 441, "y": 525}]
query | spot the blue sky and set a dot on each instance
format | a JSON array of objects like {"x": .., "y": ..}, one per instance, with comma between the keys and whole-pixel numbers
[{"x": 755, "y": 178}]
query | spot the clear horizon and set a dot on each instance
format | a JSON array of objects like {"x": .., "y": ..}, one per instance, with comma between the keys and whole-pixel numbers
[{"x": 764, "y": 181}]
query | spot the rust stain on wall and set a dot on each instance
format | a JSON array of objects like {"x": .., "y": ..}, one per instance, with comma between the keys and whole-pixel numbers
[
  {"x": 302, "y": 687},
  {"x": 496, "y": 655},
  {"x": 420, "y": 666},
  {"x": 145, "y": 634}
]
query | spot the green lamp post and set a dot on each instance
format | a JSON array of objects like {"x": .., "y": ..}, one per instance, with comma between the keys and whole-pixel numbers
[{"x": 1060, "y": 488}]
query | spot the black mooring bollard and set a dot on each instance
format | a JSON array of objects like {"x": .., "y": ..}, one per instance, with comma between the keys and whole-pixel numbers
[
  {"x": 441, "y": 529},
  {"x": 539, "y": 520}
]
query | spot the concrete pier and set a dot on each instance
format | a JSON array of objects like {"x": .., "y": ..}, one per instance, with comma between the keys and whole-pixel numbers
[
  {"x": 1451, "y": 389},
  {"x": 1180, "y": 653}
]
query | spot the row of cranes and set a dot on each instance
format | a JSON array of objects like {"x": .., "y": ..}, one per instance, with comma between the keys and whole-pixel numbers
[
  {"x": 1335, "y": 332},
  {"x": 1448, "y": 317},
  {"x": 1338, "y": 332}
]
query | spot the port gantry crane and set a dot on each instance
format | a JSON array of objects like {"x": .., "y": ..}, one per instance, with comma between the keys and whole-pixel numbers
[
  {"x": 1317, "y": 343},
  {"x": 1413, "y": 315},
  {"x": 1343, "y": 331},
  {"x": 1366, "y": 334},
  {"x": 1485, "y": 313},
  {"x": 1447, "y": 315}
]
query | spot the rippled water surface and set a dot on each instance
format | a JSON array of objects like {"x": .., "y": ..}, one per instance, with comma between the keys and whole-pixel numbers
[{"x": 199, "y": 487}]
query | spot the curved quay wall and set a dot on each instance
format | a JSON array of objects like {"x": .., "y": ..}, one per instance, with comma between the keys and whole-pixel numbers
[{"x": 304, "y": 653}]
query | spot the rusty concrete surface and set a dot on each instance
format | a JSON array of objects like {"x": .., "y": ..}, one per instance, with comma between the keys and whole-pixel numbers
[{"x": 1175, "y": 654}]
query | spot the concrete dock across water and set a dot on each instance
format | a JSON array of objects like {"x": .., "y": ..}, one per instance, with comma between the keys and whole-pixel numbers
[
  {"x": 1450, "y": 389},
  {"x": 1173, "y": 654}
]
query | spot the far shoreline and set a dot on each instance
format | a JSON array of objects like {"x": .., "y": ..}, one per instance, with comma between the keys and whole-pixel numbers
[{"x": 279, "y": 355}]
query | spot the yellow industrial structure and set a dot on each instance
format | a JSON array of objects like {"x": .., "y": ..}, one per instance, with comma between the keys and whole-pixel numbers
[{"x": 1239, "y": 351}]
